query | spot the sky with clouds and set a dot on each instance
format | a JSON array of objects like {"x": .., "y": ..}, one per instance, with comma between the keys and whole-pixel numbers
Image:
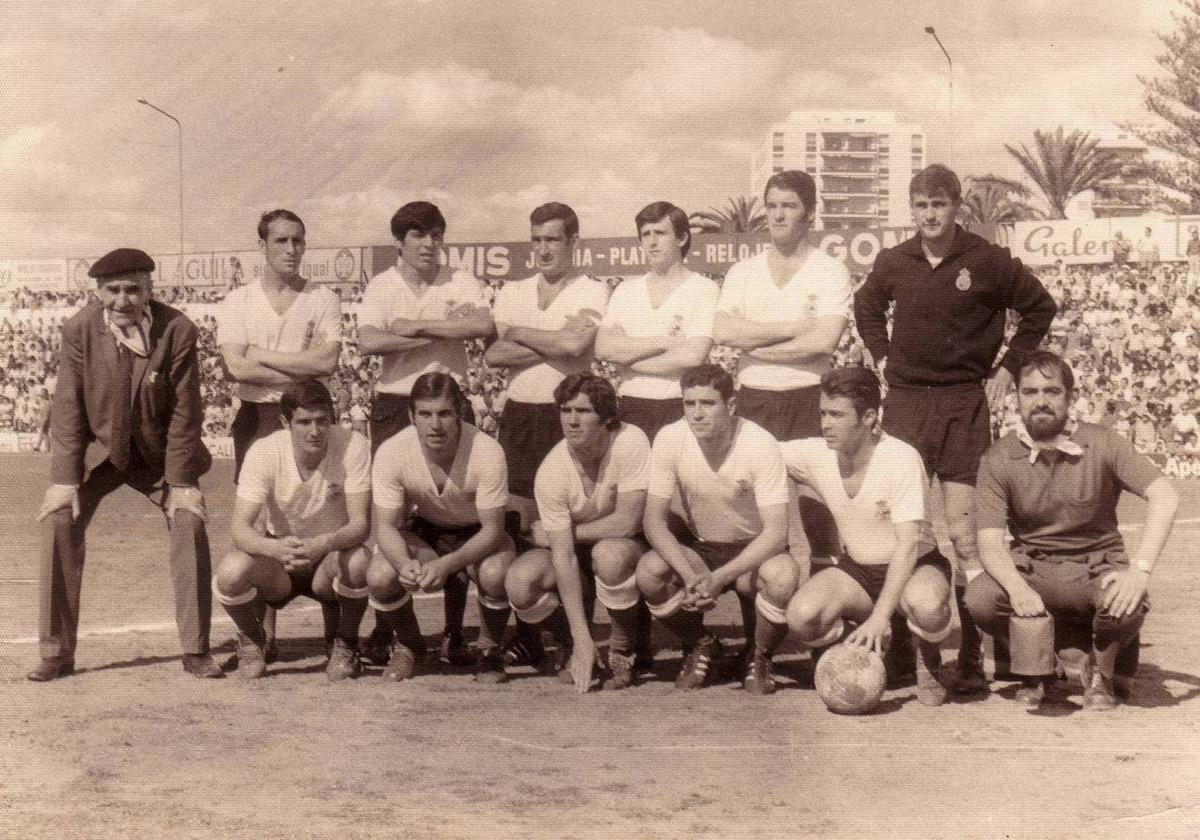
[{"x": 343, "y": 112}]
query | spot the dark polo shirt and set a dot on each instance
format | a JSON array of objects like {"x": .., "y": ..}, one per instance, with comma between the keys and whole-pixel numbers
[{"x": 1061, "y": 504}]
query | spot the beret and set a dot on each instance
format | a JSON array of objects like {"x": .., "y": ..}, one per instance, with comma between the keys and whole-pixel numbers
[{"x": 121, "y": 261}]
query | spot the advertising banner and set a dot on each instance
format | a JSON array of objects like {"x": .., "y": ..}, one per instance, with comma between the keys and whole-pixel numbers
[
  {"x": 35, "y": 275},
  {"x": 229, "y": 269},
  {"x": 621, "y": 256},
  {"x": 1092, "y": 240}
]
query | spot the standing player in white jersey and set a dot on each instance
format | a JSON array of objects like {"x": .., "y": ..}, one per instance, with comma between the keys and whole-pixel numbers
[
  {"x": 875, "y": 486},
  {"x": 313, "y": 480},
  {"x": 272, "y": 333},
  {"x": 591, "y": 494},
  {"x": 658, "y": 324},
  {"x": 415, "y": 316},
  {"x": 452, "y": 479},
  {"x": 730, "y": 476},
  {"x": 785, "y": 309},
  {"x": 545, "y": 327}
]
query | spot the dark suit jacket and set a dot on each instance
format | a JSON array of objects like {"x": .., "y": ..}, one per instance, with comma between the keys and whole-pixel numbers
[{"x": 167, "y": 411}]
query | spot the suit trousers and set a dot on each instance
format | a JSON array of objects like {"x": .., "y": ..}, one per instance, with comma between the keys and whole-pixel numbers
[{"x": 61, "y": 564}]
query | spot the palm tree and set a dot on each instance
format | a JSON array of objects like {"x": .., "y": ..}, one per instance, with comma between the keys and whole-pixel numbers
[
  {"x": 741, "y": 216},
  {"x": 990, "y": 199},
  {"x": 1065, "y": 165}
]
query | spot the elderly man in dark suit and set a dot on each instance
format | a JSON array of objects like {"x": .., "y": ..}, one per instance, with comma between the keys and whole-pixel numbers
[{"x": 128, "y": 379}]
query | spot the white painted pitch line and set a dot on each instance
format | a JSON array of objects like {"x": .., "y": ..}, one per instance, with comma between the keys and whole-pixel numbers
[{"x": 162, "y": 626}]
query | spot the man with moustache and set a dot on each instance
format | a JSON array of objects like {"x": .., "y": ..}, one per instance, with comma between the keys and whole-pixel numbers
[
  {"x": 952, "y": 291},
  {"x": 1054, "y": 484}
]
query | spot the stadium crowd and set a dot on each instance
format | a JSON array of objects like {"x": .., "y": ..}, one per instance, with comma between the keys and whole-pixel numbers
[{"x": 1126, "y": 328}]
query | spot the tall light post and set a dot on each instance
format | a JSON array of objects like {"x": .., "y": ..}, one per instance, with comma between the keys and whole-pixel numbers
[
  {"x": 179, "y": 126},
  {"x": 950, "y": 64}
]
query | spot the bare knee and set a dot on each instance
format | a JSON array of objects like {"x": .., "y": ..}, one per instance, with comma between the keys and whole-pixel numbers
[
  {"x": 806, "y": 616},
  {"x": 353, "y": 566},
  {"x": 927, "y": 609},
  {"x": 235, "y": 573},
  {"x": 523, "y": 581},
  {"x": 381, "y": 577},
  {"x": 491, "y": 574},
  {"x": 778, "y": 579},
  {"x": 654, "y": 577},
  {"x": 615, "y": 561}
]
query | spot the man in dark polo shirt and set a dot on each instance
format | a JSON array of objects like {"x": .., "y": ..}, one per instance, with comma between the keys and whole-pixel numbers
[
  {"x": 952, "y": 290},
  {"x": 1054, "y": 483}
]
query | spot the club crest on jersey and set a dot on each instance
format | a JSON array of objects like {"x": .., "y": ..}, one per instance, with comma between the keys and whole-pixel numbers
[
  {"x": 964, "y": 280},
  {"x": 677, "y": 324},
  {"x": 742, "y": 487},
  {"x": 883, "y": 511},
  {"x": 335, "y": 490}
]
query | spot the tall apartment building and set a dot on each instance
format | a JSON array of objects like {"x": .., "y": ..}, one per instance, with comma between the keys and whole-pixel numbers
[{"x": 862, "y": 162}]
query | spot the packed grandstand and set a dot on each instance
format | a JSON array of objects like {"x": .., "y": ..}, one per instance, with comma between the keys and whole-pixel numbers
[{"x": 1127, "y": 329}]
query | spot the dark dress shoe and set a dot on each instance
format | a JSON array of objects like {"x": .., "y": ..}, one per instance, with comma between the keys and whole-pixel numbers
[
  {"x": 51, "y": 669},
  {"x": 201, "y": 665}
]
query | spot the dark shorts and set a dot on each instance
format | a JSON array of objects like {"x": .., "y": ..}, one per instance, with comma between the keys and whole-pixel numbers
[
  {"x": 389, "y": 414},
  {"x": 871, "y": 578},
  {"x": 716, "y": 554},
  {"x": 528, "y": 431},
  {"x": 252, "y": 422},
  {"x": 443, "y": 539},
  {"x": 302, "y": 584},
  {"x": 787, "y": 415},
  {"x": 950, "y": 426},
  {"x": 651, "y": 415}
]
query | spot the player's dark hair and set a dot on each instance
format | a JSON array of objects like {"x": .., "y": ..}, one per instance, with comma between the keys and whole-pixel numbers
[
  {"x": 264, "y": 222},
  {"x": 708, "y": 376},
  {"x": 793, "y": 180},
  {"x": 420, "y": 216},
  {"x": 597, "y": 389},
  {"x": 857, "y": 384},
  {"x": 435, "y": 386},
  {"x": 1047, "y": 364},
  {"x": 308, "y": 394},
  {"x": 936, "y": 179},
  {"x": 660, "y": 210},
  {"x": 555, "y": 210}
]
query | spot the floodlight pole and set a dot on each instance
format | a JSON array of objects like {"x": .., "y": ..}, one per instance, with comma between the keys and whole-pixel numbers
[{"x": 179, "y": 126}]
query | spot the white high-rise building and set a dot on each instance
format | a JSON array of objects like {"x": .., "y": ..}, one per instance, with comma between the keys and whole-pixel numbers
[{"x": 862, "y": 162}]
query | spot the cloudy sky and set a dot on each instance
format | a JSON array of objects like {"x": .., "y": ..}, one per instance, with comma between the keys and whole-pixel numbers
[{"x": 345, "y": 111}]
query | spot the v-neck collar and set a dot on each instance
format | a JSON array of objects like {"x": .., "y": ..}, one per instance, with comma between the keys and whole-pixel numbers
[
  {"x": 866, "y": 472},
  {"x": 650, "y": 298},
  {"x": 454, "y": 465},
  {"x": 279, "y": 316},
  {"x": 737, "y": 430},
  {"x": 578, "y": 470}
]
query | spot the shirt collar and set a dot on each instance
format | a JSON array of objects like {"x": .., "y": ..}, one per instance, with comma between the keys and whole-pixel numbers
[
  {"x": 134, "y": 338},
  {"x": 1059, "y": 443}
]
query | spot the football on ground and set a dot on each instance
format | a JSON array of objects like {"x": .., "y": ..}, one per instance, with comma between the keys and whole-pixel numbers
[{"x": 850, "y": 679}]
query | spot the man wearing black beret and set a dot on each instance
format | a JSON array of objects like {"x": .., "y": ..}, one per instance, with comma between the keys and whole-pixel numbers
[{"x": 128, "y": 379}]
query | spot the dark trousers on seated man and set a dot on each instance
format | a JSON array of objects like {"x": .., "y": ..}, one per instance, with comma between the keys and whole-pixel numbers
[
  {"x": 1070, "y": 587},
  {"x": 63, "y": 558}
]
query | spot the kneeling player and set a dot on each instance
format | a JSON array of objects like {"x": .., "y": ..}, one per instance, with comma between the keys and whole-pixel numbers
[
  {"x": 874, "y": 485},
  {"x": 314, "y": 480},
  {"x": 453, "y": 479},
  {"x": 591, "y": 493},
  {"x": 730, "y": 476}
]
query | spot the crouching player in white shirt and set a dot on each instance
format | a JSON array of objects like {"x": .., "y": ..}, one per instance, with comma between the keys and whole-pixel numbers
[
  {"x": 874, "y": 485},
  {"x": 452, "y": 479},
  {"x": 313, "y": 479},
  {"x": 591, "y": 493},
  {"x": 731, "y": 480}
]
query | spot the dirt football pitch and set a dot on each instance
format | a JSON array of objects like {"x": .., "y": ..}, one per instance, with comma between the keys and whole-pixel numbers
[{"x": 131, "y": 747}]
